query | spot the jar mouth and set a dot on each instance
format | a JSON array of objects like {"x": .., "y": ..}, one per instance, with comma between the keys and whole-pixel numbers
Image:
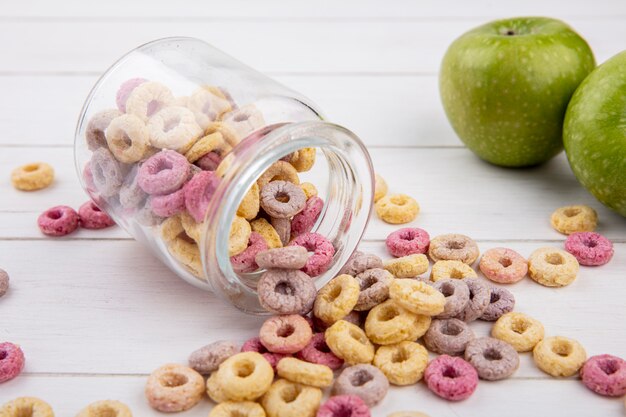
[{"x": 347, "y": 203}]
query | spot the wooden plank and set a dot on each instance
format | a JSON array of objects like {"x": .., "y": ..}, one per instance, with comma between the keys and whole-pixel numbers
[
  {"x": 281, "y": 46},
  {"x": 322, "y": 9},
  {"x": 111, "y": 307},
  {"x": 410, "y": 102},
  {"x": 457, "y": 193},
  {"x": 514, "y": 398}
]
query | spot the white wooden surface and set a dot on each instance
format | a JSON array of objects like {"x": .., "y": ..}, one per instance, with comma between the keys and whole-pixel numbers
[{"x": 95, "y": 313}]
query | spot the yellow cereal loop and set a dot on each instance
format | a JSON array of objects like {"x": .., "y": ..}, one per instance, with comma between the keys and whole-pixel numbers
[
  {"x": 559, "y": 356},
  {"x": 287, "y": 399},
  {"x": 181, "y": 246},
  {"x": 214, "y": 389},
  {"x": 336, "y": 299},
  {"x": 303, "y": 159},
  {"x": 408, "y": 266},
  {"x": 388, "y": 323},
  {"x": 225, "y": 165},
  {"x": 451, "y": 269},
  {"x": 279, "y": 171},
  {"x": 265, "y": 229},
  {"x": 228, "y": 134},
  {"x": 519, "y": 330},
  {"x": 32, "y": 177},
  {"x": 570, "y": 219},
  {"x": 240, "y": 232},
  {"x": 249, "y": 206},
  {"x": 301, "y": 372},
  {"x": 309, "y": 189},
  {"x": 237, "y": 409},
  {"x": 552, "y": 267},
  {"x": 380, "y": 188},
  {"x": 402, "y": 363},
  {"x": 26, "y": 407},
  {"x": 397, "y": 209},
  {"x": 417, "y": 296},
  {"x": 106, "y": 408},
  {"x": 214, "y": 142},
  {"x": 349, "y": 342},
  {"x": 192, "y": 228},
  {"x": 245, "y": 376}
]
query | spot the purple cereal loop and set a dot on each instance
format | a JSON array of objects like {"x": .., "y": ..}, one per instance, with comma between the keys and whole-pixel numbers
[
  {"x": 318, "y": 352},
  {"x": 344, "y": 406},
  {"x": 199, "y": 192},
  {"x": 365, "y": 381},
  {"x": 286, "y": 291},
  {"x": 407, "y": 241},
  {"x": 451, "y": 378},
  {"x": 209, "y": 161},
  {"x": 245, "y": 262},
  {"x": 168, "y": 205},
  {"x": 304, "y": 221},
  {"x": 283, "y": 229},
  {"x": 492, "y": 358},
  {"x": 360, "y": 262},
  {"x": 94, "y": 133},
  {"x": 58, "y": 221},
  {"x": 91, "y": 217},
  {"x": 11, "y": 361},
  {"x": 501, "y": 302},
  {"x": 448, "y": 336},
  {"x": 106, "y": 172},
  {"x": 271, "y": 199},
  {"x": 374, "y": 285},
  {"x": 589, "y": 248},
  {"x": 605, "y": 375},
  {"x": 480, "y": 296},
  {"x": 289, "y": 257},
  {"x": 125, "y": 90},
  {"x": 323, "y": 252},
  {"x": 163, "y": 173},
  {"x": 457, "y": 295},
  {"x": 255, "y": 345},
  {"x": 208, "y": 358},
  {"x": 131, "y": 195}
]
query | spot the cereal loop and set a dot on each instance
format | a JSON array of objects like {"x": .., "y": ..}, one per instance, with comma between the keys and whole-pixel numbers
[
  {"x": 451, "y": 269},
  {"x": 285, "y": 334},
  {"x": 147, "y": 99},
  {"x": 245, "y": 262},
  {"x": 173, "y": 388},
  {"x": 214, "y": 142},
  {"x": 589, "y": 248},
  {"x": 309, "y": 189},
  {"x": 361, "y": 262},
  {"x": 32, "y": 177},
  {"x": 106, "y": 408},
  {"x": 304, "y": 221},
  {"x": 571, "y": 219},
  {"x": 479, "y": 299},
  {"x": 456, "y": 293},
  {"x": 208, "y": 358},
  {"x": 408, "y": 266},
  {"x": 58, "y": 221},
  {"x": 301, "y": 372},
  {"x": 127, "y": 138},
  {"x": 250, "y": 204},
  {"x": 344, "y": 405},
  {"x": 238, "y": 409},
  {"x": 214, "y": 389},
  {"x": 245, "y": 376},
  {"x": 407, "y": 241},
  {"x": 453, "y": 247},
  {"x": 605, "y": 375},
  {"x": 493, "y": 359},
  {"x": 336, "y": 299},
  {"x": 26, "y": 407},
  {"x": 552, "y": 267},
  {"x": 279, "y": 171},
  {"x": 451, "y": 378},
  {"x": 559, "y": 356},
  {"x": 323, "y": 252},
  {"x": 106, "y": 172},
  {"x": 519, "y": 330},
  {"x": 255, "y": 345},
  {"x": 317, "y": 351},
  {"x": 501, "y": 302},
  {"x": 290, "y": 257},
  {"x": 244, "y": 121},
  {"x": 282, "y": 199},
  {"x": 388, "y": 323},
  {"x": 163, "y": 173},
  {"x": 417, "y": 297},
  {"x": 302, "y": 159},
  {"x": 349, "y": 342},
  {"x": 503, "y": 265},
  {"x": 173, "y": 128},
  {"x": 374, "y": 288},
  {"x": 11, "y": 361},
  {"x": 286, "y": 292},
  {"x": 397, "y": 209},
  {"x": 449, "y": 336},
  {"x": 91, "y": 217},
  {"x": 364, "y": 381},
  {"x": 208, "y": 104},
  {"x": 265, "y": 229},
  {"x": 402, "y": 363},
  {"x": 286, "y": 399},
  {"x": 95, "y": 131}
]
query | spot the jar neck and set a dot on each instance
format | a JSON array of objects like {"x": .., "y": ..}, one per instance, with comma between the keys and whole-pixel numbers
[{"x": 347, "y": 203}]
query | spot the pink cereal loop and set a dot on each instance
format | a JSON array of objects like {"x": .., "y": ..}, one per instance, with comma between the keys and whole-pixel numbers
[
  {"x": 589, "y": 248},
  {"x": 91, "y": 217},
  {"x": 323, "y": 252},
  {"x": 317, "y": 352},
  {"x": 163, "y": 173},
  {"x": 605, "y": 375},
  {"x": 255, "y": 345},
  {"x": 304, "y": 221},
  {"x": 168, "y": 205},
  {"x": 344, "y": 406},
  {"x": 11, "y": 361},
  {"x": 125, "y": 90},
  {"x": 58, "y": 221},
  {"x": 407, "y": 241},
  {"x": 246, "y": 260},
  {"x": 451, "y": 378},
  {"x": 199, "y": 192}
]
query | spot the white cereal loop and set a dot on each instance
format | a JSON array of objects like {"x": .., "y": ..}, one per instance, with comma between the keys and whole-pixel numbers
[
  {"x": 208, "y": 105},
  {"x": 147, "y": 99},
  {"x": 127, "y": 138},
  {"x": 244, "y": 121},
  {"x": 173, "y": 128}
]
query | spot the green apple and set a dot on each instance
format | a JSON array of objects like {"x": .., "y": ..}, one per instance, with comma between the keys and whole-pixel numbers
[
  {"x": 594, "y": 133},
  {"x": 505, "y": 87}
]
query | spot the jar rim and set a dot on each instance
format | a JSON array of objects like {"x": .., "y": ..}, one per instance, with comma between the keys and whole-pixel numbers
[{"x": 353, "y": 192}]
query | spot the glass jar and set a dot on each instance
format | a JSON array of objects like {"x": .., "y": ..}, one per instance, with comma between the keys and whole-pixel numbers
[{"x": 177, "y": 110}]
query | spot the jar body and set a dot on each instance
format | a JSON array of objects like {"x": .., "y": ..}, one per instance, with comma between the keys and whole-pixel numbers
[{"x": 172, "y": 142}]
